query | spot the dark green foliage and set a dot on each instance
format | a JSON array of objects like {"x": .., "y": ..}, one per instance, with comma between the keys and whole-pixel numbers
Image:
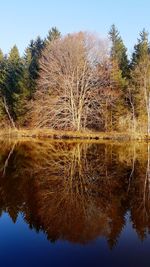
[
  {"x": 11, "y": 75},
  {"x": 53, "y": 34},
  {"x": 3, "y": 72},
  {"x": 140, "y": 80},
  {"x": 140, "y": 49},
  {"x": 1, "y": 55},
  {"x": 18, "y": 77},
  {"x": 31, "y": 63},
  {"x": 119, "y": 51}
]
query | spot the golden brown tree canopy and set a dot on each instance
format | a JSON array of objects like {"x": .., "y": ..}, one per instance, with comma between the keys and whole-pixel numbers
[{"x": 73, "y": 71}]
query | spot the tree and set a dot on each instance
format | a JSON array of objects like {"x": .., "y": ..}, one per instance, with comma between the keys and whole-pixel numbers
[
  {"x": 31, "y": 64},
  {"x": 13, "y": 82},
  {"x": 119, "y": 51},
  {"x": 3, "y": 71},
  {"x": 53, "y": 34},
  {"x": 1, "y": 55},
  {"x": 69, "y": 82},
  {"x": 119, "y": 77},
  {"x": 117, "y": 109},
  {"x": 10, "y": 76},
  {"x": 140, "y": 82},
  {"x": 140, "y": 48}
]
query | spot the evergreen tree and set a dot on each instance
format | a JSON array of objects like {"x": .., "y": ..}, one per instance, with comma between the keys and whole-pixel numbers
[
  {"x": 53, "y": 34},
  {"x": 31, "y": 64},
  {"x": 14, "y": 76},
  {"x": 119, "y": 74},
  {"x": 141, "y": 49},
  {"x": 3, "y": 72},
  {"x": 118, "y": 109},
  {"x": 140, "y": 82},
  {"x": 119, "y": 51},
  {"x": 1, "y": 55},
  {"x": 10, "y": 76}
]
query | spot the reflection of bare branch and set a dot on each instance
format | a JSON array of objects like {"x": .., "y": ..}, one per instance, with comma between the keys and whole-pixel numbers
[
  {"x": 76, "y": 191},
  {"x": 133, "y": 167}
]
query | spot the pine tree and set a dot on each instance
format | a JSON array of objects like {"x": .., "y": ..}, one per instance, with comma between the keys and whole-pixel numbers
[
  {"x": 119, "y": 74},
  {"x": 31, "y": 64},
  {"x": 53, "y": 34},
  {"x": 140, "y": 49},
  {"x": 3, "y": 72},
  {"x": 10, "y": 76},
  {"x": 140, "y": 82},
  {"x": 119, "y": 51},
  {"x": 1, "y": 55}
]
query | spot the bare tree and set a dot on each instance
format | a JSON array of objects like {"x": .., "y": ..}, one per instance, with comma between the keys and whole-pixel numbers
[
  {"x": 8, "y": 113},
  {"x": 71, "y": 83}
]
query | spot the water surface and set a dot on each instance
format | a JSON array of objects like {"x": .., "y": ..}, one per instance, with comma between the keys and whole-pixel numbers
[{"x": 74, "y": 204}]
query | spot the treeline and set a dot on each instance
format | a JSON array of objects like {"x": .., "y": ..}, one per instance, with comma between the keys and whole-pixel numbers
[
  {"x": 77, "y": 82},
  {"x": 18, "y": 80}
]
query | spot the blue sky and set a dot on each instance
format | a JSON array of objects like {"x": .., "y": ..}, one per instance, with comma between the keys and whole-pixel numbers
[{"x": 23, "y": 20}]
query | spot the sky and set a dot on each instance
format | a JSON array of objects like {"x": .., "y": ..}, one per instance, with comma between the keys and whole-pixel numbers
[{"x": 23, "y": 20}]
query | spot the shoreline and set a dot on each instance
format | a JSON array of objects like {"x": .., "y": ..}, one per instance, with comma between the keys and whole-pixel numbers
[{"x": 72, "y": 135}]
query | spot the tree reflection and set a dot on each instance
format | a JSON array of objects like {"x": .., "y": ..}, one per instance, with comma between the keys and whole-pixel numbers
[{"x": 76, "y": 191}]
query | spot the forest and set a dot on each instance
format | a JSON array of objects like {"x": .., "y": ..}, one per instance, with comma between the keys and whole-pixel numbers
[{"x": 77, "y": 82}]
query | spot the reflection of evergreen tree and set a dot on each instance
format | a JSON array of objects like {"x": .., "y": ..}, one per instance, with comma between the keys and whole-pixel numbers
[{"x": 75, "y": 191}]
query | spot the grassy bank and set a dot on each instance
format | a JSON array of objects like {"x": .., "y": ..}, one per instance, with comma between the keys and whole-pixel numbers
[{"x": 54, "y": 134}]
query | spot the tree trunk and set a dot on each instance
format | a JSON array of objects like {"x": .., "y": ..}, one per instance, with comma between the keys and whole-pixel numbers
[
  {"x": 106, "y": 118},
  {"x": 7, "y": 111},
  {"x": 148, "y": 115}
]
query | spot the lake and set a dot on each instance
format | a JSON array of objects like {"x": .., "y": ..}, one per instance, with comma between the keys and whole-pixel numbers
[{"x": 74, "y": 204}]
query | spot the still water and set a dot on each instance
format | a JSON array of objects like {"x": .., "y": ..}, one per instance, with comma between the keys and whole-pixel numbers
[{"x": 74, "y": 204}]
